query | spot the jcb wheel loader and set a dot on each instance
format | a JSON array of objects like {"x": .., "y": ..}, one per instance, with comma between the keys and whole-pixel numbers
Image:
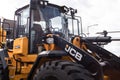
[
  {"x": 6, "y": 35},
  {"x": 47, "y": 46}
]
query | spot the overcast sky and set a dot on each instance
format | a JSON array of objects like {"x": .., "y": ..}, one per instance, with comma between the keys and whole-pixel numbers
[{"x": 105, "y": 13}]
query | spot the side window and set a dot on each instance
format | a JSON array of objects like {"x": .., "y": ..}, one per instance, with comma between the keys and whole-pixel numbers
[
  {"x": 73, "y": 27},
  {"x": 23, "y": 22}
]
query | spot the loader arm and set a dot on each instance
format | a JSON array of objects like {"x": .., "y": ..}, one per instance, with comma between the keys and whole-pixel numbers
[
  {"x": 80, "y": 56},
  {"x": 111, "y": 68},
  {"x": 112, "y": 59}
]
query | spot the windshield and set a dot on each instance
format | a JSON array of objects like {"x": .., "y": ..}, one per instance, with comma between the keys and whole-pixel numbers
[
  {"x": 48, "y": 12},
  {"x": 50, "y": 18}
]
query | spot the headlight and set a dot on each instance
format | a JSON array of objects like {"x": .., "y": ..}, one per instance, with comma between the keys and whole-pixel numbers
[{"x": 50, "y": 40}]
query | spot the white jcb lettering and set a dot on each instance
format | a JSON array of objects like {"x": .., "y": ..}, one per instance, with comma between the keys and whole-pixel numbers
[
  {"x": 78, "y": 56},
  {"x": 73, "y": 52},
  {"x": 67, "y": 48}
]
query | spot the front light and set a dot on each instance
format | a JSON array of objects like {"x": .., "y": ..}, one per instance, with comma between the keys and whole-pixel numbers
[{"x": 50, "y": 40}]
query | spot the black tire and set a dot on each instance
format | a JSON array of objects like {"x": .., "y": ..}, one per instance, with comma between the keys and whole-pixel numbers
[
  {"x": 62, "y": 70},
  {"x": 4, "y": 73},
  {"x": 1, "y": 70}
]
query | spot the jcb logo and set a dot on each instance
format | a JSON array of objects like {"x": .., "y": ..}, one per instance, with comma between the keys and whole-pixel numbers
[{"x": 73, "y": 52}]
